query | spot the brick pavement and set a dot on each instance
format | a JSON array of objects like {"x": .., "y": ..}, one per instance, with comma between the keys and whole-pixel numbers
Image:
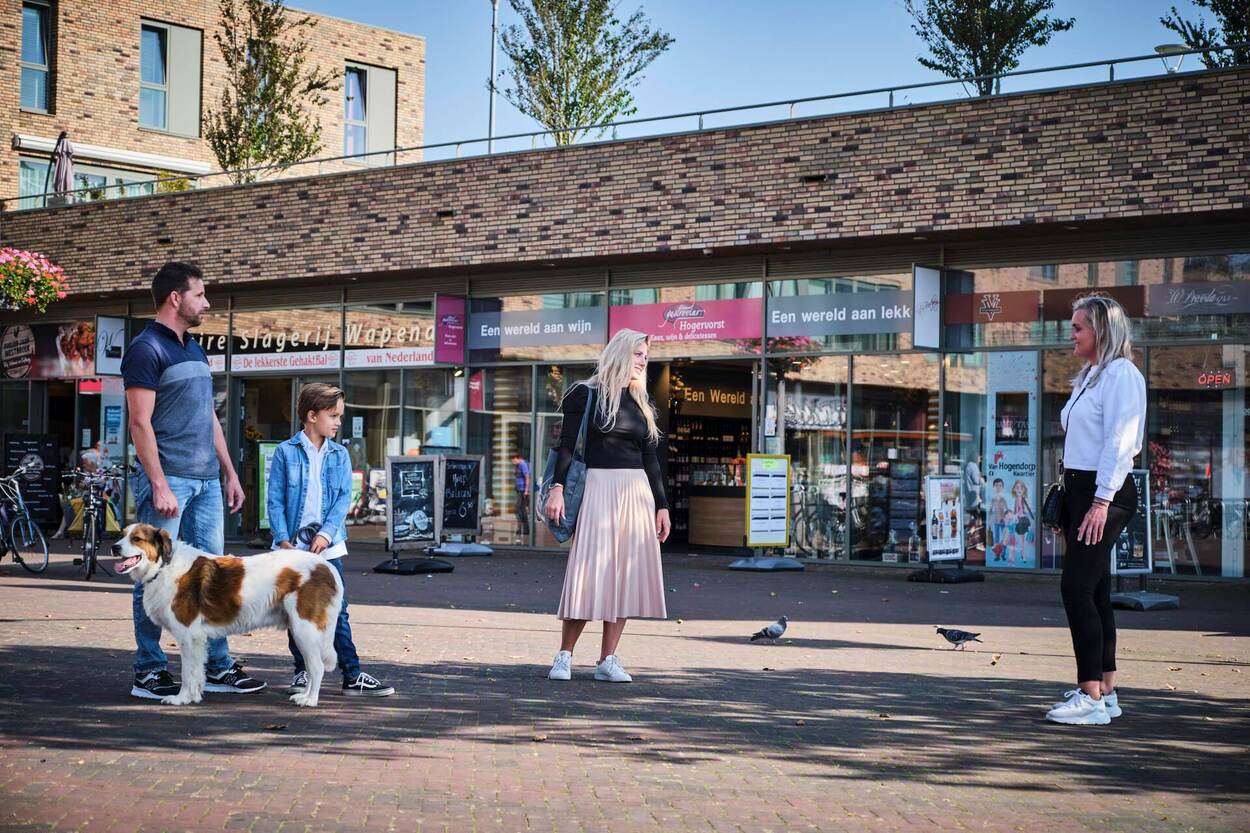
[{"x": 860, "y": 720}]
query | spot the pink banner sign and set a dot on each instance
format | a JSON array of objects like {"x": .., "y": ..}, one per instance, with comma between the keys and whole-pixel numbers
[
  {"x": 731, "y": 320},
  {"x": 449, "y": 329}
]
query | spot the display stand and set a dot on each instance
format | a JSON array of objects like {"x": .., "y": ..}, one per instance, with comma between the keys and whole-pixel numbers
[
  {"x": 958, "y": 574},
  {"x": 944, "y": 533},
  {"x": 1133, "y": 554},
  {"x": 461, "y": 484},
  {"x": 768, "y": 564},
  {"x": 413, "y": 566},
  {"x": 768, "y": 514},
  {"x": 413, "y": 515},
  {"x": 461, "y": 549},
  {"x": 1141, "y": 598}
]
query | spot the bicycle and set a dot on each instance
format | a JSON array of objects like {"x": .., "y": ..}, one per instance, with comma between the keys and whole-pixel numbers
[
  {"x": 95, "y": 515},
  {"x": 19, "y": 533}
]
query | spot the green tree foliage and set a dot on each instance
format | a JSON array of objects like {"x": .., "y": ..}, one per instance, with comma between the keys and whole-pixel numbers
[
  {"x": 268, "y": 109},
  {"x": 573, "y": 63},
  {"x": 972, "y": 38},
  {"x": 1233, "y": 27}
]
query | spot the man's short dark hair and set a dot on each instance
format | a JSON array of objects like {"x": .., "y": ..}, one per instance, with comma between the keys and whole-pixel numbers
[
  {"x": 173, "y": 277},
  {"x": 998, "y": 481}
]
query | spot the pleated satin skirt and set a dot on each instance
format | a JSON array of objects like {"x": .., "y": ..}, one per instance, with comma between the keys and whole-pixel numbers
[{"x": 614, "y": 569}]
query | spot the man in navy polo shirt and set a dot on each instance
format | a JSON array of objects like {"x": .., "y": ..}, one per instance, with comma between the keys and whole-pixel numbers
[{"x": 169, "y": 395}]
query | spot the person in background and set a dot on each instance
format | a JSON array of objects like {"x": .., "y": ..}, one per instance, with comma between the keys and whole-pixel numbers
[{"x": 524, "y": 484}]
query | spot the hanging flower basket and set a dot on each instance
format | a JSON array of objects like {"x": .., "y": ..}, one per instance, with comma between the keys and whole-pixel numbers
[{"x": 28, "y": 280}]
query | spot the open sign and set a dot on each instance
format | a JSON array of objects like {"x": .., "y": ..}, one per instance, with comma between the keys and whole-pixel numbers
[{"x": 1215, "y": 378}]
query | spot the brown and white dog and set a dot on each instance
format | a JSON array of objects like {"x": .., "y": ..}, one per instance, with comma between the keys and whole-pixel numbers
[{"x": 197, "y": 596}]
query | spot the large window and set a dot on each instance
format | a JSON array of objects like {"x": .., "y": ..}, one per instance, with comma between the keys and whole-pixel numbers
[
  {"x": 369, "y": 113},
  {"x": 96, "y": 183},
  {"x": 500, "y": 402},
  {"x": 892, "y": 335},
  {"x": 355, "y": 113},
  {"x": 557, "y": 326},
  {"x": 36, "y": 55},
  {"x": 169, "y": 78},
  {"x": 153, "y": 77}
]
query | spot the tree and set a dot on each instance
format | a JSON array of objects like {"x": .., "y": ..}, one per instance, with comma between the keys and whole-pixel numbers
[
  {"x": 974, "y": 38},
  {"x": 268, "y": 109},
  {"x": 1233, "y": 17},
  {"x": 574, "y": 63}
]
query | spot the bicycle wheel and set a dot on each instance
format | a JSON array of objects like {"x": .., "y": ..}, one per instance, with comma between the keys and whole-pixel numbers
[
  {"x": 30, "y": 548},
  {"x": 90, "y": 541}
]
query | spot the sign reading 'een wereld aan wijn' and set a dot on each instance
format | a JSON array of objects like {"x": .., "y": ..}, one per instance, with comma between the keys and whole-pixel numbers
[{"x": 539, "y": 327}]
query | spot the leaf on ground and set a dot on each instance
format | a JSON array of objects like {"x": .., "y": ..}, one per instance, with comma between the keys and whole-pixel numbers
[
  {"x": 275, "y": 727},
  {"x": 538, "y": 738},
  {"x": 766, "y": 668},
  {"x": 1171, "y": 687},
  {"x": 1174, "y": 668},
  {"x": 994, "y": 659},
  {"x": 680, "y": 621},
  {"x": 883, "y": 716},
  {"x": 800, "y": 722}
]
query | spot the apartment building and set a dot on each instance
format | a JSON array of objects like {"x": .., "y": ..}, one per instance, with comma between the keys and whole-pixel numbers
[{"x": 131, "y": 83}]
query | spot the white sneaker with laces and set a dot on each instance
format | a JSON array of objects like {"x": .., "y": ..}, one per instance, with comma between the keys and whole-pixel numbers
[
  {"x": 1112, "y": 700},
  {"x": 1080, "y": 710},
  {"x": 561, "y": 667},
  {"x": 610, "y": 671}
]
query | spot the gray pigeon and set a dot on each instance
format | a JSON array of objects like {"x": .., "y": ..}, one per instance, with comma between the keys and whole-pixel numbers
[
  {"x": 771, "y": 632},
  {"x": 958, "y": 637}
]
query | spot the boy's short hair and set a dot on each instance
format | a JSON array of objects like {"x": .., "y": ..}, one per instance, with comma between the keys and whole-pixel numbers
[
  {"x": 998, "y": 481},
  {"x": 173, "y": 277},
  {"x": 317, "y": 396}
]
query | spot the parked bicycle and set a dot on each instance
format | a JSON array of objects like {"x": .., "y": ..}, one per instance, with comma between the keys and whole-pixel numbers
[
  {"x": 95, "y": 514},
  {"x": 19, "y": 533}
]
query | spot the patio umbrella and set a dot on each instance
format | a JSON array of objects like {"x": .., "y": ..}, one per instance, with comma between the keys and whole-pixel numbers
[{"x": 61, "y": 171}]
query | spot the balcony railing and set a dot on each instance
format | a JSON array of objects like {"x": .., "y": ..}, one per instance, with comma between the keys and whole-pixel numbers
[{"x": 1092, "y": 73}]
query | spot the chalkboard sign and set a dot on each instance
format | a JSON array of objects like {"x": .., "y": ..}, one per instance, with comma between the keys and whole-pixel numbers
[
  {"x": 41, "y": 484},
  {"x": 462, "y": 486},
  {"x": 412, "y": 495},
  {"x": 1133, "y": 551}
]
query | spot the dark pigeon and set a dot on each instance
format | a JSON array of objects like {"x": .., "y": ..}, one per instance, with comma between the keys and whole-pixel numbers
[{"x": 957, "y": 638}]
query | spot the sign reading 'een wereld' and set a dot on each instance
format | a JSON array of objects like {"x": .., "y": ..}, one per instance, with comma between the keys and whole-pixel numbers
[{"x": 840, "y": 314}]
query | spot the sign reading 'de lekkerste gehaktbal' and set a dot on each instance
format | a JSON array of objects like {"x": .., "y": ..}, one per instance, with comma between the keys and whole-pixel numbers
[
  {"x": 1198, "y": 298},
  {"x": 539, "y": 327},
  {"x": 840, "y": 314}
]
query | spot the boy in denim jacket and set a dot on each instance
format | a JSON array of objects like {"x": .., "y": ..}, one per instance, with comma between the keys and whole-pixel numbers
[{"x": 308, "y": 494}]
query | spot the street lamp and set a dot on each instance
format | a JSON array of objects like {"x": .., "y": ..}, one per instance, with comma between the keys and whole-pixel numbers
[
  {"x": 1170, "y": 50},
  {"x": 494, "y": 24}
]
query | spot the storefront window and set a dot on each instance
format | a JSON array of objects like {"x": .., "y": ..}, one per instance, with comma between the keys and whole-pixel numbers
[
  {"x": 808, "y": 407},
  {"x": 371, "y": 433},
  {"x": 893, "y": 446},
  {"x": 557, "y": 326},
  {"x": 15, "y": 406},
  {"x": 693, "y": 321},
  {"x": 500, "y": 403},
  {"x": 390, "y": 335},
  {"x": 1197, "y": 430},
  {"x": 433, "y": 410},
  {"x": 305, "y": 340},
  {"x": 840, "y": 313}
]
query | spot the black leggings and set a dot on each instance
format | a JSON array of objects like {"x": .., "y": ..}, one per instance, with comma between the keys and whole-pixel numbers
[{"x": 1086, "y": 583}]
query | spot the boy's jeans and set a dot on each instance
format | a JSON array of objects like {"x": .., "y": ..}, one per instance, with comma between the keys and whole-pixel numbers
[
  {"x": 200, "y": 523},
  {"x": 349, "y": 662}
]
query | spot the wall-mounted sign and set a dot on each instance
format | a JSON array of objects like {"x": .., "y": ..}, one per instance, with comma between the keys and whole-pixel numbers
[
  {"x": 395, "y": 357},
  {"x": 110, "y": 341},
  {"x": 927, "y": 321},
  {"x": 1057, "y": 303},
  {"x": 992, "y": 307},
  {"x": 537, "y": 327},
  {"x": 48, "y": 351},
  {"x": 449, "y": 329},
  {"x": 855, "y": 313},
  {"x": 697, "y": 392},
  {"x": 734, "y": 319},
  {"x": 301, "y": 360},
  {"x": 1198, "y": 298}
]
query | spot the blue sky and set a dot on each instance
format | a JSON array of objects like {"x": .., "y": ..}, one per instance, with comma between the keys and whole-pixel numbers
[{"x": 734, "y": 52}]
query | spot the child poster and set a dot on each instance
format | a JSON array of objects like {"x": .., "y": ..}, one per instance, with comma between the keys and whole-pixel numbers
[{"x": 1012, "y": 416}]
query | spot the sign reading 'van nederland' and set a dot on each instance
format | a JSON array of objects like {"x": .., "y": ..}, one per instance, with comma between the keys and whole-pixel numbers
[{"x": 728, "y": 320}]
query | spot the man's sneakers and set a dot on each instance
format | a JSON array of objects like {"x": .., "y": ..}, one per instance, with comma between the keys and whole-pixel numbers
[
  {"x": 561, "y": 667},
  {"x": 365, "y": 685},
  {"x": 232, "y": 681},
  {"x": 154, "y": 685},
  {"x": 1080, "y": 710},
  {"x": 610, "y": 671},
  {"x": 299, "y": 683}
]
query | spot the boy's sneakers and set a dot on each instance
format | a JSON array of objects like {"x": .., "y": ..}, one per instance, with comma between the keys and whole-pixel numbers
[
  {"x": 299, "y": 683},
  {"x": 154, "y": 685},
  {"x": 561, "y": 667},
  {"x": 610, "y": 671},
  {"x": 1112, "y": 700},
  {"x": 232, "y": 681},
  {"x": 366, "y": 685},
  {"x": 1080, "y": 710}
]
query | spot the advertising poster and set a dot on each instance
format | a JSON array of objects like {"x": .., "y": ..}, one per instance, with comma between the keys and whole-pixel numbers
[
  {"x": 265, "y": 450},
  {"x": 48, "y": 351},
  {"x": 734, "y": 319},
  {"x": 449, "y": 329},
  {"x": 1133, "y": 553},
  {"x": 41, "y": 483},
  {"x": 927, "y": 286},
  {"x": 1010, "y": 476},
  {"x": 110, "y": 341},
  {"x": 944, "y": 518},
  {"x": 463, "y": 479},
  {"x": 412, "y": 517}
]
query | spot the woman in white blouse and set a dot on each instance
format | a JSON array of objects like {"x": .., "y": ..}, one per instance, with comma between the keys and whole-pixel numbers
[{"x": 1103, "y": 424}]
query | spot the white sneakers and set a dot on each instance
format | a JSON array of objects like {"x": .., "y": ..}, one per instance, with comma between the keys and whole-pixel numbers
[
  {"x": 1079, "y": 709},
  {"x": 561, "y": 667},
  {"x": 608, "y": 671}
]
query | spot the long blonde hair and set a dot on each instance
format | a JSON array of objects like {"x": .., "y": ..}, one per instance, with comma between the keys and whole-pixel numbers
[
  {"x": 615, "y": 371},
  {"x": 1111, "y": 334}
]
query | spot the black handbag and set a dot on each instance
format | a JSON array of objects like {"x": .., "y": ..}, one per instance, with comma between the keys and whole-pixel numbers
[{"x": 1052, "y": 506}]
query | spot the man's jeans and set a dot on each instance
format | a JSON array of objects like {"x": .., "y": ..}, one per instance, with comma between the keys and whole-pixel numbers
[
  {"x": 349, "y": 662},
  {"x": 200, "y": 522}
]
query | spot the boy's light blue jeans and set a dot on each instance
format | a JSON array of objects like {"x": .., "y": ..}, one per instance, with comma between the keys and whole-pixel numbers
[{"x": 200, "y": 522}]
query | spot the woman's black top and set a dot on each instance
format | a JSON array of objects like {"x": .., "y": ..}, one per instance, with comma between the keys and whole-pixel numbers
[{"x": 624, "y": 446}]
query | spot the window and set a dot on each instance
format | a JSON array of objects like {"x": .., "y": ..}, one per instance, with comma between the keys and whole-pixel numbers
[
  {"x": 104, "y": 183},
  {"x": 1126, "y": 273},
  {"x": 1048, "y": 272},
  {"x": 36, "y": 38},
  {"x": 369, "y": 114},
  {"x": 169, "y": 78},
  {"x": 355, "y": 126}
]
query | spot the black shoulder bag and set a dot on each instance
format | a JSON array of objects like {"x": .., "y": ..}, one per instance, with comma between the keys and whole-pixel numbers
[{"x": 1052, "y": 506}]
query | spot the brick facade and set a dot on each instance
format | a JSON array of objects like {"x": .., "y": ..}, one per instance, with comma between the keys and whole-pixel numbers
[
  {"x": 95, "y": 77},
  {"x": 1173, "y": 148}
]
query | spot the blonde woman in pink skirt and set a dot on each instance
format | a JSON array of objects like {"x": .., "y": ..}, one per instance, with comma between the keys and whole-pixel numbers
[{"x": 614, "y": 571}]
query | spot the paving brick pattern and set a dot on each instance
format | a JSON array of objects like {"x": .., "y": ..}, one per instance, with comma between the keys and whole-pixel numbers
[{"x": 859, "y": 720}]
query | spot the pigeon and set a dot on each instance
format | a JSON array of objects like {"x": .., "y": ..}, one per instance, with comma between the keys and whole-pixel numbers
[
  {"x": 957, "y": 638},
  {"x": 772, "y": 632}
]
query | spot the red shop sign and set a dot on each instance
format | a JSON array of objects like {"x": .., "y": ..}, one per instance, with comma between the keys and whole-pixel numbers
[
  {"x": 1057, "y": 303},
  {"x": 992, "y": 307},
  {"x": 734, "y": 319},
  {"x": 1215, "y": 378}
]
